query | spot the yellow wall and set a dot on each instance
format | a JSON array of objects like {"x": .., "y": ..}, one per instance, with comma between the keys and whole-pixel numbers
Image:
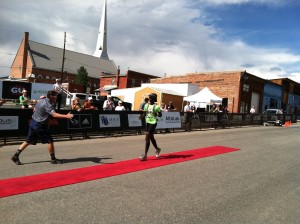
[{"x": 161, "y": 97}]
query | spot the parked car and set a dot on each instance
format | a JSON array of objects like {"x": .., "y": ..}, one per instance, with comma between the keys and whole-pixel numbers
[
  {"x": 272, "y": 111},
  {"x": 273, "y": 120}
]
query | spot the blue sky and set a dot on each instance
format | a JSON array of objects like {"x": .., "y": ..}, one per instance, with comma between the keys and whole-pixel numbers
[{"x": 170, "y": 37}]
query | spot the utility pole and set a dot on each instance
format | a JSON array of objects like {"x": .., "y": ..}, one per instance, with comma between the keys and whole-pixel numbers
[{"x": 63, "y": 60}]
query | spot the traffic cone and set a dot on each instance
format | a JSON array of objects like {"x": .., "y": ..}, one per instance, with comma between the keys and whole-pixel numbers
[
  {"x": 286, "y": 124},
  {"x": 290, "y": 123}
]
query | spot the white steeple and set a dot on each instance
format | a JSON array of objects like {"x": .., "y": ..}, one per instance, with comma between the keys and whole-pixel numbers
[{"x": 101, "y": 48}]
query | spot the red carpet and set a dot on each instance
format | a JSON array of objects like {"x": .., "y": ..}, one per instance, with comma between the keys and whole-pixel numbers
[{"x": 20, "y": 185}]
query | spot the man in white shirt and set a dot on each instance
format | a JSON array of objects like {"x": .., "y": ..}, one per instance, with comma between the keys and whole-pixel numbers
[
  {"x": 108, "y": 104},
  {"x": 58, "y": 88},
  {"x": 252, "y": 110},
  {"x": 187, "y": 117}
]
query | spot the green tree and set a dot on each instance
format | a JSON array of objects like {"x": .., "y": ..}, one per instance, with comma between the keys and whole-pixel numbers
[{"x": 82, "y": 77}]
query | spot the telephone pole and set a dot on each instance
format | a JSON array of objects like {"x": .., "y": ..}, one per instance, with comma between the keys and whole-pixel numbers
[{"x": 63, "y": 60}]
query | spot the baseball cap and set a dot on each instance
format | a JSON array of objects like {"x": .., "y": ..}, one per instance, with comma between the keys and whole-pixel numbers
[{"x": 90, "y": 98}]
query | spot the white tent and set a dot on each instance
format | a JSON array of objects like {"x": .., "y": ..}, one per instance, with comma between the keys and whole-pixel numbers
[{"x": 204, "y": 96}]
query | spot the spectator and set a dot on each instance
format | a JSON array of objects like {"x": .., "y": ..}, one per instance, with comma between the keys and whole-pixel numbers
[
  {"x": 58, "y": 88},
  {"x": 2, "y": 102},
  {"x": 187, "y": 116},
  {"x": 213, "y": 108},
  {"x": 76, "y": 105},
  {"x": 88, "y": 105},
  {"x": 142, "y": 105},
  {"x": 120, "y": 106},
  {"x": 108, "y": 104},
  {"x": 25, "y": 100},
  {"x": 163, "y": 107},
  {"x": 171, "y": 107}
]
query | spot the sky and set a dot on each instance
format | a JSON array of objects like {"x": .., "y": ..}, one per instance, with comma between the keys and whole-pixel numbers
[{"x": 164, "y": 38}]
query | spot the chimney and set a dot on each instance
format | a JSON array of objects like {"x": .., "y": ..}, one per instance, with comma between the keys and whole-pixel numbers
[{"x": 25, "y": 54}]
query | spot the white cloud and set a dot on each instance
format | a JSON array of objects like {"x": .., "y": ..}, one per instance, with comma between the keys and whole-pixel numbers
[{"x": 150, "y": 36}]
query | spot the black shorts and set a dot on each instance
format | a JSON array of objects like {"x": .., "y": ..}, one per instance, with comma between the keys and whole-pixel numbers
[
  {"x": 151, "y": 127},
  {"x": 38, "y": 131}
]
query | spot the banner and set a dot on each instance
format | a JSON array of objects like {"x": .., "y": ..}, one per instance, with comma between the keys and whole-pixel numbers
[
  {"x": 13, "y": 90},
  {"x": 9, "y": 122},
  {"x": 109, "y": 120},
  {"x": 169, "y": 120},
  {"x": 134, "y": 120},
  {"x": 81, "y": 121}
]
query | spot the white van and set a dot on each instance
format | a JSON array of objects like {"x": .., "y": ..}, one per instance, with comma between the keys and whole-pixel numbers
[
  {"x": 72, "y": 96},
  {"x": 82, "y": 98}
]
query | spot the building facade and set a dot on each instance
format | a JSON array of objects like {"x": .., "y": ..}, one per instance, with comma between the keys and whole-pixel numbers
[{"x": 42, "y": 63}]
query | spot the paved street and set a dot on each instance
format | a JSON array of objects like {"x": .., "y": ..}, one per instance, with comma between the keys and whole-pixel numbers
[{"x": 260, "y": 183}]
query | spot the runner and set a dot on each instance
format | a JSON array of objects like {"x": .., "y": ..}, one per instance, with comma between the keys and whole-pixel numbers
[{"x": 151, "y": 111}]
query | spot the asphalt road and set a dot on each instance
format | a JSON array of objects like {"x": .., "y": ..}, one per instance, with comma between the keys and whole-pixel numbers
[{"x": 260, "y": 183}]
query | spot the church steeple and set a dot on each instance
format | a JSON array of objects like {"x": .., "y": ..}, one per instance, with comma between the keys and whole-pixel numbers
[{"x": 101, "y": 48}]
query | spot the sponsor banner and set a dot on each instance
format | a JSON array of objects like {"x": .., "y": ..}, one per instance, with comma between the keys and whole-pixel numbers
[
  {"x": 9, "y": 122},
  {"x": 13, "y": 90},
  {"x": 169, "y": 120},
  {"x": 237, "y": 117},
  {"x": 39, "y": 89},
  {"x": 109, "y": 120},
  {"x": 211, "y": 118},
  {"x": 134, "y": 120},
  {"x": 256, "y": 118},
  {"x": 80, "y": 121}
]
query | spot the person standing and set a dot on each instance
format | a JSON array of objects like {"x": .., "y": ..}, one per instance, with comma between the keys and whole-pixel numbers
[
  {"x": 151, "y": 111},
  {"x": 58, "y": 88},
  {"x": 38, "y": 128},
  {"x": 108, "y": 104},
  {"x": 142, "y": 105},
  {"x": 187, "y": 116},
  {"x": 25, "y": 100},
  {"x": 120, "y": 106},
  {"x": 88, "y": 105}
]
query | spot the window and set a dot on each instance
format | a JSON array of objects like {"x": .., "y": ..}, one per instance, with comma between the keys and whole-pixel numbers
[
  {"x": 273, "y": 103},
  {"x": 243, "y": 107},
  {"x": 246, "y": 88},
  {"x": 291, "y": 99}
]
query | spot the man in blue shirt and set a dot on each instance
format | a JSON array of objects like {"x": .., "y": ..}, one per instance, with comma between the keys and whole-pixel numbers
[{"x": 38, "y": 129}]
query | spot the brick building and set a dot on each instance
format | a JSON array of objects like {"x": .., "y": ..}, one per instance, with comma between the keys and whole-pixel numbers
[
  {"x": 290, "y": 94},
  {"x": 239, "y": 89},
  {"x": 42, "y": 63},
  {"x": 121, "y": 81}
]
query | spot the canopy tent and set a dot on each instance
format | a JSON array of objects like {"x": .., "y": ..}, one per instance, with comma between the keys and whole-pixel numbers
[{"x": 204, "y": 96}]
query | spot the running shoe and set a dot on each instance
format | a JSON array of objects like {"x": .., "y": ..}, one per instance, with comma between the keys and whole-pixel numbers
[
  {"x": 157, "y": 152},
  {"x": 16, "y": 160},
  {"x": 143, "y": 157},
  {"x": 57, "y": 161}
]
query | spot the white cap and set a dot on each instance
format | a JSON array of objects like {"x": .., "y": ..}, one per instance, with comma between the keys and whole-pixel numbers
[
  {"x": 108, "y": 96},
  {"x": 90, "y": 98},
  {"x": 120, "y": 101}
]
